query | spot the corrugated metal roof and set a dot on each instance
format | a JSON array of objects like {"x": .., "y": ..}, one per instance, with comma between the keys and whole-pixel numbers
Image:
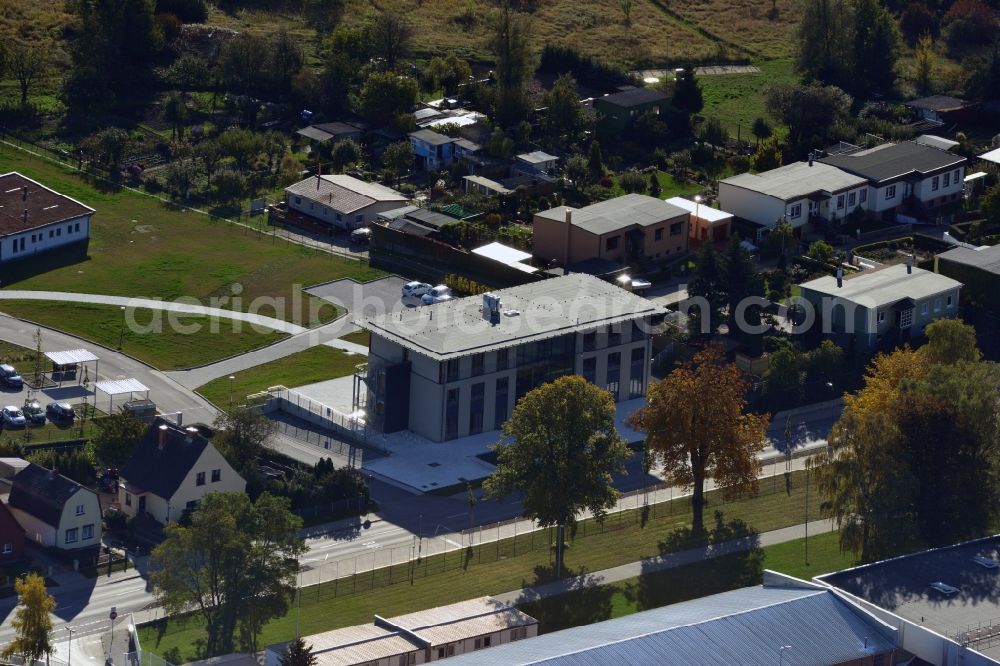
[
  {"x": 884, "y": 286},
  {"x": 343, "y": 193},
  {"x": 987, "y": 258},
  {"x": 70, "y": 357},
  {"x": 546, "y": 309},
  {"x": 745, "y": 626},
  {"x": 893, "y": 160},
  {"x": 119, "y": 386}
]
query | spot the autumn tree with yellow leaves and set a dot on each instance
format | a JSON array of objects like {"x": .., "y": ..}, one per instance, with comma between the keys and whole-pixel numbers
[
  {"x": 916, "y": 451},
  {"x": 32, "y": 622},
  {"x": 697, "y": 429}
]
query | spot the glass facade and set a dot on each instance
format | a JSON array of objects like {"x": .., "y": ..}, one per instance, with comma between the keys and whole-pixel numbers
[
  {"x": 500, "y": 402},
  {"x": 476, "y": 407},
  {"x": 451, "y": 415},
  {"x": 637, "y": 373}
]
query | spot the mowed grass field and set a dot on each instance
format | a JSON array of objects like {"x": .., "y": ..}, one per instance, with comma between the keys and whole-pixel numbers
[
  {"x": 161, "y": 345},
  {"x": 315, "y": 364},
  {"x": 508, "y": 565},
  {"x": 737, "y": 99},
  {"x": 141, "y": 247}
]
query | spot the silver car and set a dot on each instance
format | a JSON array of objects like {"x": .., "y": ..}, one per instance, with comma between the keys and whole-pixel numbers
[
  {"x": 13, "y": 417},
  {"x": 416, "y": 289},
  {"x": 438, "y": 294}
]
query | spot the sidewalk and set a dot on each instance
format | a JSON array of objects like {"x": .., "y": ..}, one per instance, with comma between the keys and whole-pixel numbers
[{"x": 661, "y": 563}]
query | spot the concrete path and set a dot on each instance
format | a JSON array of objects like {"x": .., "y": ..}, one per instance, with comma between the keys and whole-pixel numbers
[
  {"x": 269, "y": 323},
  {"x": 323, "y": 335},
  {"x": 167, "y": 394},
  {"x": 662, "y": 563}
]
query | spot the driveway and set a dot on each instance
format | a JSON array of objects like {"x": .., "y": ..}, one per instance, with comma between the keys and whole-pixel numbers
[{"x": 365, "y": 299}]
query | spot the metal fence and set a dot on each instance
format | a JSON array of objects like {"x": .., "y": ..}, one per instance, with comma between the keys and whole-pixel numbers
[
  {"x": 351, "y": 426},
  {"x": 438, "y": 550},
  {"x": 981, "y": 636}
]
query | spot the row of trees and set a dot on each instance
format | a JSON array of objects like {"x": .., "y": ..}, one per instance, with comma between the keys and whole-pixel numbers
[{"x": 561, "y": 448}]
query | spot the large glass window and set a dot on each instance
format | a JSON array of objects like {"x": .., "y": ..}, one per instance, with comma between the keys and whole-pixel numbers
[
  {"x": 453, "y": 369},
  {"x": 637, "y": 373},
  {"x": 451, "y": 415},
  {"x": 590, "y": 369},
  {"x": 500, "y": 402},
  {"x": 502, "y": 359},
  {"x": 476, "y": 406},
  {"x": 614, "y": 373},
  {"x": 478, "y": 364},
  {"x": 590, "y": 341}
]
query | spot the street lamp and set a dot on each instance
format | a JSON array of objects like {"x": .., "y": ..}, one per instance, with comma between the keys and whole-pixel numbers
[
  {"x": 69, "y": 649},
  {"x": 697, "y": 223},
  {"x": 781, "y": 652},
  {"x": 231, "y": 378},
  {"x": 121, "y": 332}
]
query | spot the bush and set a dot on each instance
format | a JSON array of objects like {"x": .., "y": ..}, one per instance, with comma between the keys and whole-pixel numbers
[
  {"x": 606, "y": 182},
  {"x": 464, "y": 286},
  {"x": 632, "y": 181}
]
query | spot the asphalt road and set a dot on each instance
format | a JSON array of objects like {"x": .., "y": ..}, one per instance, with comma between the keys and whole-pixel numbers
[{"x": 168, "y": 395}]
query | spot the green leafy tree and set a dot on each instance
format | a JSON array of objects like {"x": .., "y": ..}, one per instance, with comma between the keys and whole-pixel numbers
[
  {"x": 235, "y": 565},
  {"x": 784, "y": 376},
  {"x": 284, "y": 60},
  {"x": 210, "y": 154},
  {"x": 706, "y": 284},
  {"x": 687, "y": 92},
  {"x": 564, "y": 115},
  {"x": 447, "y": 73},
  {"x": 243, "y": 434},
  {"x": 336, "y": 81},
  {"x": 180, "y": 176},
  {"x": 577, "y": 169},
  {"x": 824, "y": 40},
  {"x": 297, "y": 653},
  {"x": 390, "y": 36},
  {"x": 509, "y": 37},
  {"x": 27, "y": 62},
  {"x": 386, "y": 95},
  {"x": 175, "y": 112},
  {"x": 821, "y": 251},
  {"x": 915, "y": 448},
  {"x": 766, "y": 156},
  {"x": 242, "y": 145},
  {"x": 826, "y": 363},
  {"x": 109, "y": 147},
  {"x": 32, "y": 620},
  {"x": 654, "y": 185},
  {"x": 398, "y": 158},
  {"x": 563, "y": 449},
  {"x": 925, "y": 61},
  {"x": 810, "y": 112},
  {"x": 117, "y": 436},
  {"x": 741, "y": 281},
  {"x": 697, "y": 440},
  {"x": 990, "y": 205},
  {"x": 242, "y": 64},
  {"x": 345, "y": 153},
  {"x": 595, "y": 161},
  {"x": 632, "y": 181},
  {"x": 761, "y": 129},
  {"x": 876, "y": 48}
]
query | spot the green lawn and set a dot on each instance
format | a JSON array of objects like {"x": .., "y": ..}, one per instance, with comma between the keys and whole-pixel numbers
[
  {"x": 142, "y": 247},
  {"x": 497, "y": 568},
  {"x": 50, "y": 432},
  {"x": 669, "y": 186},
  {"x": 166, "y": 349},
  {"x": 315, "y": 364},
  {"x": 11, "y": 353},
  {"x": 684, "y": 583},
  {"x": 737, "y": 99},
  {"x": 359, "y": 337}
]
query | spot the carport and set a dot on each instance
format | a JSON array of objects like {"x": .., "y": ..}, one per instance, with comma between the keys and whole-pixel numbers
[
  {"x": 66, "y": 364},
  {"x": 114, "y": 387}
]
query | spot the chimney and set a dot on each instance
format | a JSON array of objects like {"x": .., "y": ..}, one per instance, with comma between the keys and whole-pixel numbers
[
  {"x": 191, "y": 432},
  {"x": 569, "y": 233},
  {"x": 318, "y": 179},
  {"x": 162, "y": 438},
  {"x": 840, "y": 277},
  {"x": 810, "y": 158},
  {"x": 24, "y": 193},
  {"x": 24, "y": 216},
  {"x": 909, "y": 264}
]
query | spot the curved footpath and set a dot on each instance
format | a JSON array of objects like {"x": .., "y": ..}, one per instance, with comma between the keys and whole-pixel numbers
[
  {"x": 168, "y": 395},
  {"x": 154, "y": 304}
]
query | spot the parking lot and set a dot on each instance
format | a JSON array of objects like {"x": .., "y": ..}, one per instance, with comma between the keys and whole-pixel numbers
[{"x": 366, "y": 299}]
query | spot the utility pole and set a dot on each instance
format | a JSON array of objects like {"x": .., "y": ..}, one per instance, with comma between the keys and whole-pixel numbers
[
  {"x": 808, "y": 465},
  {"x": 69, "y": 648}
]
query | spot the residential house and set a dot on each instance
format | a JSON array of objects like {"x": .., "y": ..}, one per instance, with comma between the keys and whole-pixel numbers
[
  {"x": 940, "y": 109},
  {"x": 54, "y": 511},
  {"x": 708, "y": 224},
  {"x": 418, "y": 638},
  {"x": 783, "y": 621},
  {"x": 485, "y": 186},
  {"x": 458, "y": 368},
  {"x": 796, "y": 193},
  {"x": 433, "y": 151},
  {"x": 943, "y": 602},
  {"x": 620, "y": 110},
  {"x": 535, "y": 162},
  {"x": 341, "y": 201},
  {"x": 171, "y": 469},
  {"x": 905, "y": 176},
  {"x": 35, "y": 219},
  {"x": 892, "y": 304},
  {"x": 331, "y": 133},
  {"x": 11, "y": 536},
  {"x": 978, "y": 269},
  {"x": 629, "y": 228}
]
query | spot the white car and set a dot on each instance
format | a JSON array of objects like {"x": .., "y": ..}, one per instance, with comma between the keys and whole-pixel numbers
[
  {"x": 438, "y": 294},
  {"x": 945, "y": 588},
  {"x": 986, "y": 562},
  {"x": 415, "y": 289},
  {"x": 12, "y": 416}
]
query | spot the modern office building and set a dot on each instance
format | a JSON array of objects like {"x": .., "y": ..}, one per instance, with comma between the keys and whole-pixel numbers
[{"x": 457, "y": 368}]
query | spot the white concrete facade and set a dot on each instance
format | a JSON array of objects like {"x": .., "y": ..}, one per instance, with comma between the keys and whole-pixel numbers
[
  {"x": 79, "y": 524},
  {"x": 44, "y": 238}
]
